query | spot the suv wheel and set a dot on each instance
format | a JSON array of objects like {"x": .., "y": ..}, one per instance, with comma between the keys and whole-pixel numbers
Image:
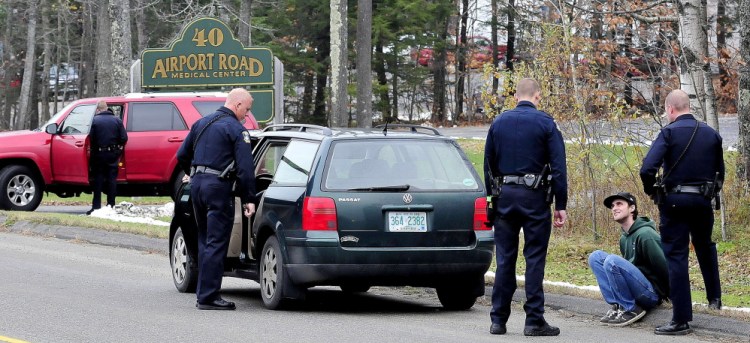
[
  {"x": 183, "y": 262},
  {"x": 456, "y": 298},
  {"x": 273, "y": 277},
  {"x": 21, "y": 189},
  {"x": 177, "y": 186}
]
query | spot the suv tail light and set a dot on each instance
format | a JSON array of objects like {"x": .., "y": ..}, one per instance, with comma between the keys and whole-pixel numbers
[
  {"x": 319, "y": 214},
  {"x": 480, "y": 214}
]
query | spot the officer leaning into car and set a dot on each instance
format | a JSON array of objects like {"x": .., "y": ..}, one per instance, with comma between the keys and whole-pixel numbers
[
  {"x": 107, "y": 138},
  {"x": 213, "y": 144},
  {"x": 524, "y": 152},
  {"x": 692, "y": 157}
]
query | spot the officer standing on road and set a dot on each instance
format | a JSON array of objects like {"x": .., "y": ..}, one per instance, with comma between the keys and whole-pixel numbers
[
  {"x": 523, "y": 148},
  {"x": 107, "y": 138},
  {"x": 214, "y": 142},
  {"x": 692, "y": 157}
]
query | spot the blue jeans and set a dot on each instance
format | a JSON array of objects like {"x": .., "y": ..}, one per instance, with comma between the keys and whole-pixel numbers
[{"x": 621, "y": 282}]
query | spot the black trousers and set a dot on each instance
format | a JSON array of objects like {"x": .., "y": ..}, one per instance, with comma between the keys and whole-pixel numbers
[
  {"x": 213, "y": 204},
  {"x": 519, "y": 207},
  {"x": 104, "y": 168},
  {"x": 685, "y": 218}
]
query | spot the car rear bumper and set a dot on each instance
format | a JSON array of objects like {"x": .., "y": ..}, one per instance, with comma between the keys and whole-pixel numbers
[{"x": 325, "y": 262}]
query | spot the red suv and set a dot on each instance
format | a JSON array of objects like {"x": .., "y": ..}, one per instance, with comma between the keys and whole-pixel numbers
[
  {"x": 54, "y": 158},
  {"x": 479, "y": 52}
]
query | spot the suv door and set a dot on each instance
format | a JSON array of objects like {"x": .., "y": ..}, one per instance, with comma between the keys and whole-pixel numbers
[
  {"x": 155, "y": 132},
  {"x": 69, "y": 146}
]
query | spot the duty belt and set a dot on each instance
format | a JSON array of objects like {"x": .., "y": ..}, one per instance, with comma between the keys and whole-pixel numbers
[
  {"x": 205, "y": 170},
  {"x": 109, "y": 148},
  {"x": 686, "y": 189},
  {"x": 528, "y": 179}
]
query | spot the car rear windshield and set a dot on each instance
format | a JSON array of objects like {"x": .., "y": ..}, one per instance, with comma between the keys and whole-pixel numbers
[
  {"x": 398, "y": 165},
  {"x": 207, "y": 107}
]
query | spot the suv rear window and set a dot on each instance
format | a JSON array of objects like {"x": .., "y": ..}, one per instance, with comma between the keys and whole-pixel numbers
[
  {"x": 421, "y": 164},
  {"x": 207, "y": 107}
]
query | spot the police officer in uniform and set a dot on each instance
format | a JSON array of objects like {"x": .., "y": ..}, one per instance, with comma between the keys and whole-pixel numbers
[
  {"x": 107, "y": 138},
  {"x": 690, "y": 153},
  {"x": 214, "y": 142},
  {"x": 520, "y": 143}
]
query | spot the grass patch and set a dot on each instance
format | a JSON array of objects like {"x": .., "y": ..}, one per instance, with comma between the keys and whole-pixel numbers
[
  {"x": 86, "y": 222},
  {"x": 590, "y": 226},
  {"x": 85, "y": 199}
]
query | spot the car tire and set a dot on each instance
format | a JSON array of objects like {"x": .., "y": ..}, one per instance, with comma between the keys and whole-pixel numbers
[
  {"x": 273, "y": 277},
  {"x": 354, "y": 288},
  {"x": 455, "y": 298},
  {"x": 20, "y": 189},
  {"x": 184, "y": 264}
]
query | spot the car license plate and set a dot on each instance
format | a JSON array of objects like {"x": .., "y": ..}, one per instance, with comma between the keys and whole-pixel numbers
[{"x": 407, "y": 221}]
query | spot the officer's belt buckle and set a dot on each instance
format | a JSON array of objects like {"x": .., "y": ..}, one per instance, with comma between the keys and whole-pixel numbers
[{"x": 529, "y": 180}]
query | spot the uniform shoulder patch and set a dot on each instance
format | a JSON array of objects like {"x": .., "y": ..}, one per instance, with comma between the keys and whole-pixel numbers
[{"x": 246, "y": 136}]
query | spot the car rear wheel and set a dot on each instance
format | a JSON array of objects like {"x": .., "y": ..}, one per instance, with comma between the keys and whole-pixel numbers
[
  {"x": 177, "y": 185},
  {"x": 184, "y": 264},
  {"x": 273, "y": 277},
  {"x": 21, "y": 189},
  {"x": 456, "y": 298}
]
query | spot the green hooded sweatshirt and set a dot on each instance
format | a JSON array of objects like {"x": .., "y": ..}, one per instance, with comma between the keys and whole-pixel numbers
[{"x": 641, "y": 246}]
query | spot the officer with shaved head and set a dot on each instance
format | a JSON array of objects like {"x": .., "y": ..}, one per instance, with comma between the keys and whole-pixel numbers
[{"x": 690, "y": 153}]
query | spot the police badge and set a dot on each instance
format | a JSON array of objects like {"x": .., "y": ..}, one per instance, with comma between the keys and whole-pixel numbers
[{"x": 246, "y": 136}]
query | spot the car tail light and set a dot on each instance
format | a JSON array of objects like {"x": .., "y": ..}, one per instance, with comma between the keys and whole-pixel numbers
[
  {"x": 319, "y": 214},
  {"x": 480, "y": 214}
]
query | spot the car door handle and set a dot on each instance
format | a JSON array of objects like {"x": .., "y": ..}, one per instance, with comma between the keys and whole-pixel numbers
[
  {"x": 175, "y": 139},
  {"x": 79, "y": 143}
]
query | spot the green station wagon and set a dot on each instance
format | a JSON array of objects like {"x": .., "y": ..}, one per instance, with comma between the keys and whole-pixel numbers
[{"x": 395, "y": 206}]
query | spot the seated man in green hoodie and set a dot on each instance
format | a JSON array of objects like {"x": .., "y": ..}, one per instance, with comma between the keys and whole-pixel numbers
[{"x": 638, "y": 280}]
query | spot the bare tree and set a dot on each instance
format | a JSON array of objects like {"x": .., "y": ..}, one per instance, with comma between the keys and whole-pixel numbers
[
  {"x": 47, "y": 58},
  {"x": 122, "y": 50},
  {"x": 104, "y": 78},
  {"x": 743, "y": 98},
  {"x": 339, "y": 63},
  {"x": 244, "y": 19},
  {"x": 364, "y": 63},
  {"x": 28, "y": 72}
]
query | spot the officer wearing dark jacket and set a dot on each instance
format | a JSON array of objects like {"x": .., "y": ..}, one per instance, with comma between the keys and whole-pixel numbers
[
  {"x": 690, "y": 153},
  {"x": 214, "y": 142},
  {"x": 107, "y": 139},
  {"x": 520, "y": 143}
]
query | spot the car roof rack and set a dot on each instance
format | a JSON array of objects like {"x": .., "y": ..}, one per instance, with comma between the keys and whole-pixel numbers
[
  {"x": 299, "y": 127},
  {"x": 413, "y": 128},
  {"x": 217, "y": 94}
]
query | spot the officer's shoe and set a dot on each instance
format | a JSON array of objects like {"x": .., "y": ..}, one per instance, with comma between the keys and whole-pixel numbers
[
  {"x": 88, "y": 213},
  {"x": 541, "y": 330},
  {"x": 714, "y": 304},
  {"x": 218, "y": 304},
  {"x": 498, "y": 329},
  {"x": 674, "y": 329},
  {"x": 611, "y": 314}
]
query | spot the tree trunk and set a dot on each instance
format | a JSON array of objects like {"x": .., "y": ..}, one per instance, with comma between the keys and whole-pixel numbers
[
  {"x": 122, "y": 50},
  {"x": 245, "y": 20},
  {"x": 511, "y": 48},
  {"x": 339, "y": 64},
  {"x": 385, "y": 102},
  {"x": 47, "y": 52},
  {"x": 104, "y": 78},
  {"x": 307, "y": 96},
  {"x": 438, "y": 75},
  {"x": 29, "y": 73},
  {"x": 693, "y": 43},
  {"x": 463, "y": 53},
  {"x": 88, "y": 60},
  {"x": 493, "y": 38},
  {"x": 743, "y": 98},
  {"x": 7, "y": 92},
  {"x": 364, "y": 63},
  {"x": 320, "y": 116},
  {"x": 140, "y": 25}
]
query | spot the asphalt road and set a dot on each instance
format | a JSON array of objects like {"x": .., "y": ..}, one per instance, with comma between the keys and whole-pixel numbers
[{"x": 55, "y": 290}]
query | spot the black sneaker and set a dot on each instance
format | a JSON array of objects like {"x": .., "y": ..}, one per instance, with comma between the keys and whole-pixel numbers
[
  {"x": 714, "y": 304},
  {"x": 611, "y": 314},
  {"x": 628, "y": 317}
]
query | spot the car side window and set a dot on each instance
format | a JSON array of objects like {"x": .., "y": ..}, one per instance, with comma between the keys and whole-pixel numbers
[
  {"x": 269, "y": 161},
  {"x": 147, "y": 116},
  {"x": 207, "y": 107},
  {"x": 294, "y": 167},
  {"x": 79, "y": 120}
]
